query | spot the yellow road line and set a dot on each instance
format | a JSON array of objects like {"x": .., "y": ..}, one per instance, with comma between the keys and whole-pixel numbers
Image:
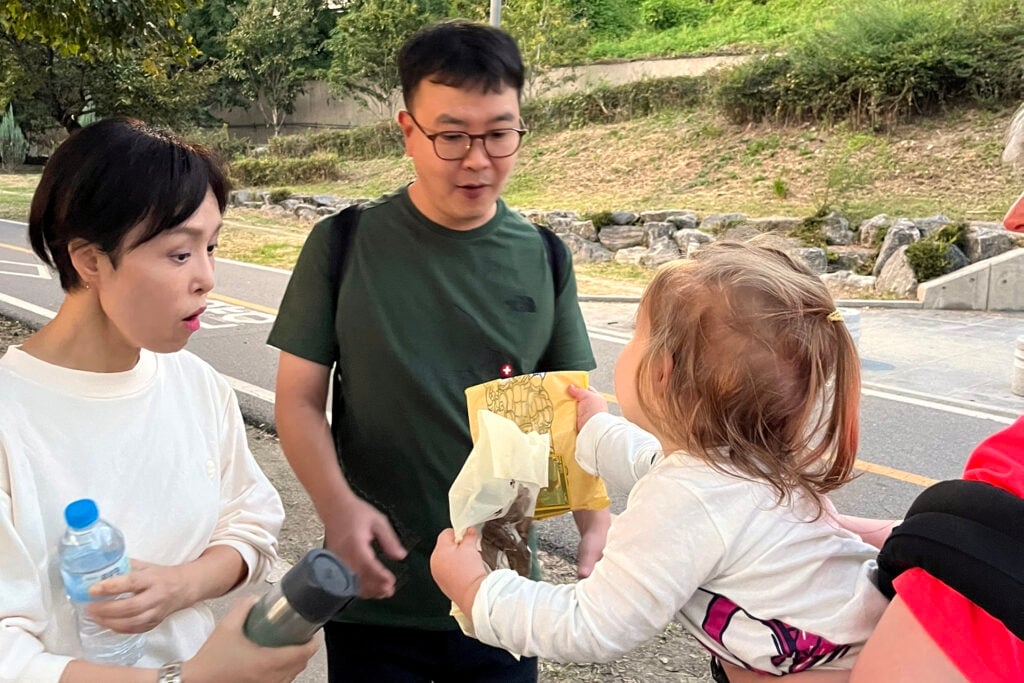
[
  {"x": 239, "y": 302},
  {"x": 14, "y": 248},
  {"x": 893, "y": 473}
]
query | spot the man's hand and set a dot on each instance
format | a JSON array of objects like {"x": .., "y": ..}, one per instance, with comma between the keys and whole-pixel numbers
[
  {"x": 158, "y": 590},
  {"x": 458, "y": 568},
  {"x": 588, "y": 404},
  {"x": 350, "y": 533}
]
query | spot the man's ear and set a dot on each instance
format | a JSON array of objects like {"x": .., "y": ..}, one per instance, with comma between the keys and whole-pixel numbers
[
  {"x": 1014, "y": 220},
  {"x": 406, "y": 124},
  {"x": 85, "y": 258}
]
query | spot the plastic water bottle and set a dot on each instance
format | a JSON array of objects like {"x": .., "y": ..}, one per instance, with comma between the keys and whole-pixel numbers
[{"x": 90, "y": 551}]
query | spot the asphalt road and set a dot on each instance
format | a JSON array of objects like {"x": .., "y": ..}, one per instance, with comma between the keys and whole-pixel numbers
[{"x": 936, "y": 382}]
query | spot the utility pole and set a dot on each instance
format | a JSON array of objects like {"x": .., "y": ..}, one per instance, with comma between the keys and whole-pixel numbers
[{"x": 495, "y": 12}]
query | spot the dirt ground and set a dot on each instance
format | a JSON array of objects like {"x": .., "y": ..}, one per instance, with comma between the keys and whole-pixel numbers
[{"x": 672, "y": 656}]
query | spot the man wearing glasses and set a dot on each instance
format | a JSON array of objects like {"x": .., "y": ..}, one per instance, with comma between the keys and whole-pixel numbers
[{"x": 443, "y": 287}]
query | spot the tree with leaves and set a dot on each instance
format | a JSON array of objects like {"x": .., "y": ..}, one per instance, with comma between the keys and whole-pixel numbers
[
  {"x": 267, "y": 53},
  {"x": 365, "y": 43},
  {"x": 65, "y": 58}
]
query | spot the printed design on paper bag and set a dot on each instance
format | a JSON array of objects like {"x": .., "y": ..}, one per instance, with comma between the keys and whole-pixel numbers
[{"x": 525, "y": 401}]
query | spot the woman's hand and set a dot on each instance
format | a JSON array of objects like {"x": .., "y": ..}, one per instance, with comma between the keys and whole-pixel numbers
[
  {"x": 228, "y": 656},
  {"x": 154, "y": 592},
  {"x": 458, "y": 568}
]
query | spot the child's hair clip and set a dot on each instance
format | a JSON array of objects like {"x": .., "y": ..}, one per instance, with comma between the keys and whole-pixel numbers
[{"x": 835, "y": 316}]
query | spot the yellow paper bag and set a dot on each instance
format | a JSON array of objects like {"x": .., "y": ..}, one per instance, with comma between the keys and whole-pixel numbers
[{"x": 541, "y": 403}]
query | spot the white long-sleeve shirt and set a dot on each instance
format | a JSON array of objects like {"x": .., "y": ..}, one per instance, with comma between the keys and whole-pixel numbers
[
  {"x": 754, "y": 581},
  {"x": 162, "y": 450}
]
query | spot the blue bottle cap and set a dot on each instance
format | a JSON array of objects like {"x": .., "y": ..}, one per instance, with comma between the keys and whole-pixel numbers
[{"x": 81, "y": 513}]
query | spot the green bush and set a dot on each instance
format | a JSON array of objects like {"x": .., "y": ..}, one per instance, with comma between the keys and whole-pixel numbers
[
  {"x": 382, "y": 139},
  {"x": 608, "y": 104},
  {"x": 929, "y": 259},
  {"x": 315, "y": 168},
  {"x": 219, "y": 141},
  {"x": 606, "y": 17},
  {"x": 809, "y": 232},
  {"x": 600, "y": 219},
  {"x": 279, "y": 194},
  {"x": 883, "y": 61},
  {"x": 952, "y": 233},
  {"x": 665, "y": 14}
]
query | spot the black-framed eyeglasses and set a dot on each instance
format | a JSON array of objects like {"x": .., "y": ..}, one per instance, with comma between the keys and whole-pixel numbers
[{"x": 454, "y": 145}]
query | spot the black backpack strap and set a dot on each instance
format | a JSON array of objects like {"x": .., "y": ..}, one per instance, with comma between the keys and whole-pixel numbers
[
  {"x": 970, "y": 536},
  {"x": 558, "y": 257},
  {"x": 343, "y": 228}
]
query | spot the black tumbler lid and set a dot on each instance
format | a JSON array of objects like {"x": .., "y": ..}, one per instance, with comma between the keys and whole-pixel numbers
[{"x": 319, "y": 586}]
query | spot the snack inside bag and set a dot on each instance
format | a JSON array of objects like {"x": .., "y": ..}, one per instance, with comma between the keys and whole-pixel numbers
[
  {"x": 496, "y": 490},
  {"x": 541, "y": 403}
]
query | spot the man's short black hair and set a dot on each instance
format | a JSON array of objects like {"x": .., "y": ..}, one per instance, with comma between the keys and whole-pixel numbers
[
  {"x": 460, "y": 53},
  {"x": 108, "y": 178}
]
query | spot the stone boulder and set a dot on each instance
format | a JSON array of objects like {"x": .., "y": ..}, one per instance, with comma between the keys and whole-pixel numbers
[
  {"x": 900, "y": 234},
  {"x": 931, "y": 224},
  {"x": 870, "y": 228},
  {"x": 836, "y": 229},
  {"x": 985, "y": 240},
  {"x": 617, "y": 237},
  {"x": 655, "y": 231},
  {"x": 717, "y": 222},
  {"x": 896, "y": 276},
  {"x": 662, "y": 250},
  {"x": 585, "y": 251},
  {"x": 844, "y": 284},
  {"x": 631, "y": 255},
  {"x": 623, "y": 218},
  {"x": 684, "y": 220},
  {"x": 814, "y": 257},
  {"x": 584, "y": 229}
]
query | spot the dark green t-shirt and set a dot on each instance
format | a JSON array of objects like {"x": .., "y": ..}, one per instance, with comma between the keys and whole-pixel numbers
[{"x": 423, "y": 313}]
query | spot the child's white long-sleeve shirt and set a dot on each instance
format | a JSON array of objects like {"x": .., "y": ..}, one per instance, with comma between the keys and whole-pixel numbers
[
  {"x": 162, "y": 450},
  {"x": 754, "y": 581}
]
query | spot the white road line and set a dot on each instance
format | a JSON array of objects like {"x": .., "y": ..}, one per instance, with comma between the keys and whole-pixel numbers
[
  {"x": 914, "y": 398},
  {"x": 969, "y": 405},
  {"x": 27, "y": 306},
  {"x": 944, "y": 407},
  {"x": 251, "y": 389}
]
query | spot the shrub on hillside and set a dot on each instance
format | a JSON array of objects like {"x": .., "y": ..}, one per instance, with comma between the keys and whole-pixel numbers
[
  {"x": 219, "y": 141},
  {"x": 315, "y": 168},
  {"x": 383, "y": 139},
  {"x": 665, "y": 14},
  {"x": 884, "y": 61},
  {"x": 929, "y": 259},
  {"x": 610, "y": 104}
]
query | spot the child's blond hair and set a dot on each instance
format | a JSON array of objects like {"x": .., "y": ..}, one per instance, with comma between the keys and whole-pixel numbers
[{"x": 765, "y": 377}]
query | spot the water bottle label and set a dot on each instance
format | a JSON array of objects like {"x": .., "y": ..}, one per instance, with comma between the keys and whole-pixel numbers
[{"x": 77, "y": 586}]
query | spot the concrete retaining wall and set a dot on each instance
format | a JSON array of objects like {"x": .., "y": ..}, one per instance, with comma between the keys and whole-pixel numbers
[{"x": 995, "y": 284}]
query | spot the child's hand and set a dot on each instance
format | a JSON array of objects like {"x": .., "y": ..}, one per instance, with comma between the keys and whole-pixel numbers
[
  {"x": 458, "y": 568},
  {"x": 588, "y": 404}
]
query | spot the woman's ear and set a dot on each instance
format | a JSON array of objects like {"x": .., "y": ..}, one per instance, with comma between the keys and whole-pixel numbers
[{"x": 86, "y": 258}]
